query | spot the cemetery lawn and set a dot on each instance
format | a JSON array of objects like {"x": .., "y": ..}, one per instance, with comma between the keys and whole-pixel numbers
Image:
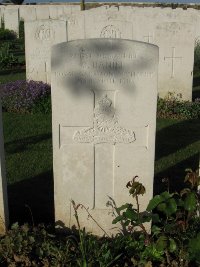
[
  {"x": 28, "y": 147},
  {"x": 7, "y": 76}
]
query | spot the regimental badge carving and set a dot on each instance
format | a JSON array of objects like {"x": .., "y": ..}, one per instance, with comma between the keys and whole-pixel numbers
[
  {"x": 44, "y": 33},
  {"x": 110, "y": 31},
  {"x": 106, "y": 128}
]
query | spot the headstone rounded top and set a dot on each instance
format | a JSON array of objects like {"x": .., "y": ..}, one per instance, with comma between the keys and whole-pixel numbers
[{"x": 91, "y": 41}]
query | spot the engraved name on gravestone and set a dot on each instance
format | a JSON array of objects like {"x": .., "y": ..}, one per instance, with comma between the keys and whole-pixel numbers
[
  {"x": 104, "y": 118},
  {"x": 40, "y": 35},
  {"x": 3, "y": 184},
  {"x": 11, "y": 19}
]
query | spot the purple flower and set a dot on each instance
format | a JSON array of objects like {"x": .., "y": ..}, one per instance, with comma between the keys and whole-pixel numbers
[{"x": 21, "y": 95}]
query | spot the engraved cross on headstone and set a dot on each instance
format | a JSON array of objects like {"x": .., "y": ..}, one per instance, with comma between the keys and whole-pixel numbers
[
  {"x": 173, "y": 58},
  {"x": 105, "y": 134}
]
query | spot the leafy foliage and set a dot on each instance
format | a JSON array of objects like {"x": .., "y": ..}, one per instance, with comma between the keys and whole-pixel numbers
[
  {"x": 6, "y": 34},
  {"x": 173, "y": 216},
  {"x": 173, "y": 107},
  {"x": 26, "y": 97},
  {"x": 12, "y": 49},
  {"x": 7, "y": 59},
  {"x": 173, "y": 242}
]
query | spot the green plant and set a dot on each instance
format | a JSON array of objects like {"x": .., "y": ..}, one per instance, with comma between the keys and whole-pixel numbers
[
  {"x": 36, "y": 246},
  {"x": 83, "y": 263},
  {"x": 6, "y": 34},
  {"x": 26, "y": 97},
  {"x": 172, "y": 215},
  {"x": 194, "y": 248},
  {"x": 172, "y": 106},
  {"x": 7, "y": 59},
  {"x": 42, "y": 106},
  {"x": 129, "y": 216},
  {"x": 104, "y": 255},
  {"x": 173, "y": 242}
]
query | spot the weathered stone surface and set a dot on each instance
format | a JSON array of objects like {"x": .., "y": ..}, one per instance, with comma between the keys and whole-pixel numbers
[
  {"x": 40, "y": 35},
  {"x": 104, "y": 95},
  {"x": 143, "y": 25},
  {"x": 27, "y": 13},
  {"x": 42, "y": 12},
  {"x": 176, "y": 59},
  {"x": 11, "y": 19},
  {"x": 3, "y": 185}
]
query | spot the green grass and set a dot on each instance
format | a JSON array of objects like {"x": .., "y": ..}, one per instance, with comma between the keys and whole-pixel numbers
[
  {"x": 18, "y": 51},
  {"x": 177, "y": 148},
  {"x": 28, "y": 146},
  {"x": 12, "y": 75}
]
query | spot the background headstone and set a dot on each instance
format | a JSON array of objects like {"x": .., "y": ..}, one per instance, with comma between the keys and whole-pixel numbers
[
  {"x": 3, "y": 184},
  {"x": 40, "y": 35},
  {"x": 42, "y": 12},
  {"x": 176, "y": 58},
  {"x": 27, "y": 13},
  {"x": 11, "y": 19},
  {"x": 104, "y": 94},
  {"x": 151, "y": 25}
]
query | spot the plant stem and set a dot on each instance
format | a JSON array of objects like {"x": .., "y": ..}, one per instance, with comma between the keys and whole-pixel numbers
[
  {"x": 94, "y": 220},
  {"x": 141, "y": 224}
]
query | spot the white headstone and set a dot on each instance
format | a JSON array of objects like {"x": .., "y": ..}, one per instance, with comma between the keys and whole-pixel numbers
[
  {"x": 104, "y": 94},
  {"x": 53, "y": 11},
  {"x": 3, "y": 184},
  {"x": 39, "y": 37},
  {"x": 151, "y": 25},
  {"x": 176, "y": 59},
  {"x": 42, "y": 12},
  {"x": 27, "y": 12},
  {"x": 11, "y": 19},
  {"x": 114, "y": 26},
  {"x": 75, "y": 26}
]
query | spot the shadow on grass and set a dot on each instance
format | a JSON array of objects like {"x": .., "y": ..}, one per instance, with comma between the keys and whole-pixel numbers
[
  {"x": 176, "y": 137},
  {"x": 35, "y": 193},
  {"x": 11, "y": 71},
  {"x": 177, "y": 148},
  {"x": 25, "y": 143},
  {"x": 175, "y": 174}
]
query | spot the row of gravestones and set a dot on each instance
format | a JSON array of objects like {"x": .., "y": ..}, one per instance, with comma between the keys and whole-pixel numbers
[
  {"x": 104, "y": 94},
  {"x": 175, "y": 58},
  {"x": 103, "y": 103},
  {"x": 174, "y": 31}
]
